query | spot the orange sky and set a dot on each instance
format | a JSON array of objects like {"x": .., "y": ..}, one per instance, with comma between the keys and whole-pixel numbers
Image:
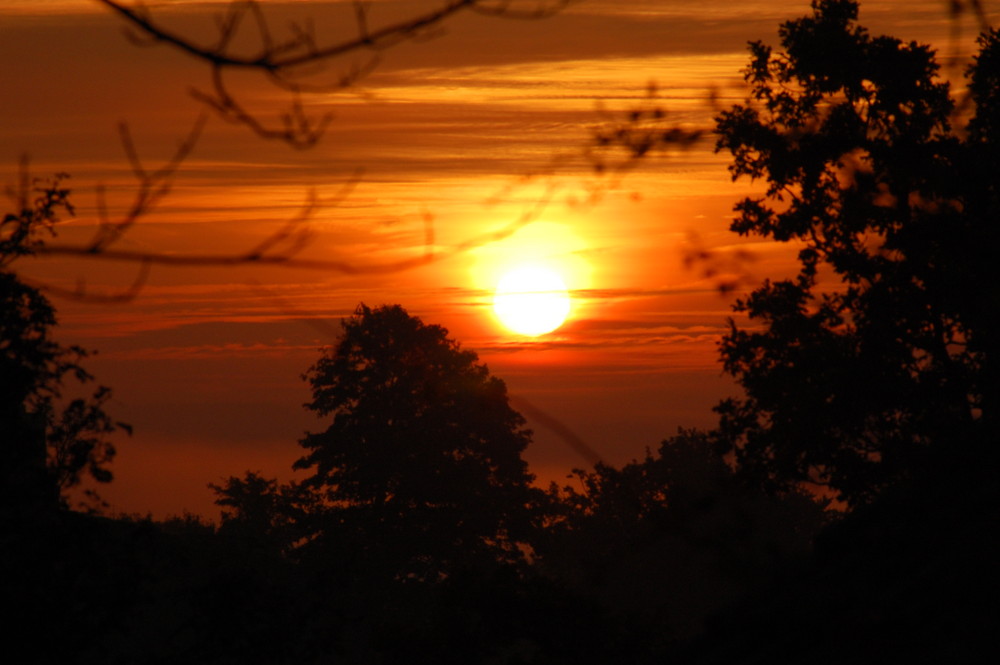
[{"x": 205, "y": 362}]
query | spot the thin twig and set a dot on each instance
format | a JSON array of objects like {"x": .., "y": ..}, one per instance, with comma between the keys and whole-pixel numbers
[{"x": 152, "y": 186}]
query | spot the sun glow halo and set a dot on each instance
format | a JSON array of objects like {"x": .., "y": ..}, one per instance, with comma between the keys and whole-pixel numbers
[{"x": 531, "y": 300}]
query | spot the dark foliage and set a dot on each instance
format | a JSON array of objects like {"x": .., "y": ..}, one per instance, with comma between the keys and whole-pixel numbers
[
  {"x": 906, "y": 578},
  {"x": 874, "y": 362},
  {"x": 266, "y": 518},
  {"x": 48, "y": 444},
  {"x": 669, "y": 540},
  {"x": 421, "y": 461},
  {"x": 869, "y": 371}
]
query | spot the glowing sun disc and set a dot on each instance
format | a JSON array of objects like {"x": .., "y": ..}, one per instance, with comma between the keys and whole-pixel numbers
[{"x": 531, "y": 300}]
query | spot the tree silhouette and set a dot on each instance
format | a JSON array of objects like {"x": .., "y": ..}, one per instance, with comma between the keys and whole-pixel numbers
[
  {"x": 873, "y": 363},
  {"x": 48, "y": 446},
  {"x": 263, "y": 515},
  {"x": 676, "y": 536},
  {"x": 422, "y": 459}
]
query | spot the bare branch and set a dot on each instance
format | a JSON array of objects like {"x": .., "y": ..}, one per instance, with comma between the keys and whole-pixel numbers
[
  {"x": 559, "y": 428},
  {"x": 153, "y": 186},
  {"x": 294, "y": 233},
  {"x": 504, "y": 9},
  {"x": 82, "y": 294},
  {"x": 272, "y": 58},
  {"x": 297, "y": 130},
  {"x": 285, "y": 259},
  {"x": 264, "y": 253},
  {"x": 286, "y": 62},
  {"x": 361, "y": 17}
]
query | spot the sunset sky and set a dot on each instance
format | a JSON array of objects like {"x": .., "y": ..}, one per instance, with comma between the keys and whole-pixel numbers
[{"x": 478, "y": 134}]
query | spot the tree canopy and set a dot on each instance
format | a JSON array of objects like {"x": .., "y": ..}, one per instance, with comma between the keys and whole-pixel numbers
[
  {"x": 875, "y": 358},
  {"x": 676, "y": 535},
  {"x": 423, "y": 452},
  {"x": 49, "y": 444}
]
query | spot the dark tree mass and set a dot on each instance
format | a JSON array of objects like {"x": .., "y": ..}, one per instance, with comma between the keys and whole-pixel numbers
[
  {"x": 874, "y": 362},
  {"x": 49, "y": 445},
  {"x": 422, "y": 457},
  {"x": 842, "y": 511}
]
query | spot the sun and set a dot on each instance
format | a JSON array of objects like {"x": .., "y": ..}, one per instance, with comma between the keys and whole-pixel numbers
[{"x": 531, "y": 300}]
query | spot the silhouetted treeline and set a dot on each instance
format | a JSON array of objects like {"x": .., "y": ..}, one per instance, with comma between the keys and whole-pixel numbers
[
  {"x": 611, "y": 582},
  {"x": 418, "y": 535}
]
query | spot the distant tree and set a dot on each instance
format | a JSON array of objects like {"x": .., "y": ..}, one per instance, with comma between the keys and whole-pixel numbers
[
  {"x": 422, "y": 459},
  {"x": 263, "y": 514},
  {"x": 875, "y": 362},
  {"x": 675, "y": 536},
  {"x": 47, "y": 446}
]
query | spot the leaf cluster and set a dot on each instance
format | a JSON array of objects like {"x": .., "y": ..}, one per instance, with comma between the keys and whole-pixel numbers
[{"x": 38, "y": 204}]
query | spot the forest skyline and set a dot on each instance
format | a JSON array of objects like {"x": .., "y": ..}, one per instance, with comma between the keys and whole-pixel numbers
[{"x": 206, "y": 362}]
